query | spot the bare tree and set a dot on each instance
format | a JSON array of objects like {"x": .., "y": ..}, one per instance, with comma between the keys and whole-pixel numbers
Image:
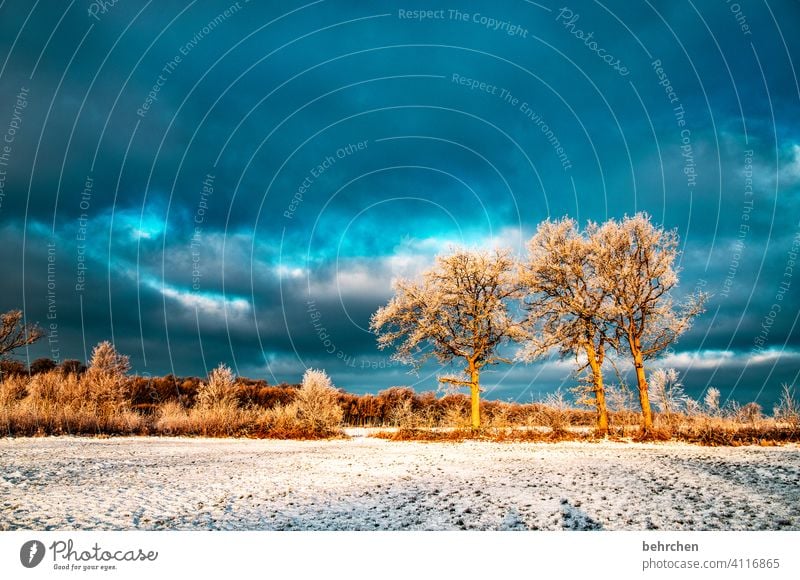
[
  {"x": 15, "y": 333},
  {"x": 458, "y": 310},
  {"x": 567, "y": 307},
  {"x": 635, "y": 261},
  {"x": 788, "y": 407}
]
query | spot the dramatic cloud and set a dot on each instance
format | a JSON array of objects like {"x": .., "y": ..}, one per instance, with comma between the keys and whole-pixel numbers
[{"x": 241, "y": 181}]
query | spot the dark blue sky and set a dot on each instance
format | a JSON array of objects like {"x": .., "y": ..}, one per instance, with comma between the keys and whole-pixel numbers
[{"x": 208, "y": 182}]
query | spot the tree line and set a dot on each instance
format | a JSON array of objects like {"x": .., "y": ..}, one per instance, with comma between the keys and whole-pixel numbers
[{"x": 584, "y": 293}]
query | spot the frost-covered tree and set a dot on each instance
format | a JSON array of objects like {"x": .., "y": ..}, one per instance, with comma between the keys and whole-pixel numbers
[
  {"x": 668, "y": 394},
  {"x": 712, "y": 401},
  {"x": 106, "y": 376},
  {"x": 106, "y": 360},
  {"x": 459, "y": 309},
  {"x": 566, "y": 305},
  {"x": 317, "y": 402},
  {"x": 219, "y": 389},
  {"x": 635, "y": 262},
  {"x": 788, "y": 407}
]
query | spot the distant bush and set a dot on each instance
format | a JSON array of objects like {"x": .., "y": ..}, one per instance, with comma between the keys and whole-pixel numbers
[
  {"x": 10, "y": 367},
  {"x": 72, "y": 366},
  {"x": 262, "y": 395},
  {"x": 42, "y": 365}
]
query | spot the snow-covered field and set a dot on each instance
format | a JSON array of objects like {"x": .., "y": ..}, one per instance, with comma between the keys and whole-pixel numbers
[{"x": 369, "y": 484}]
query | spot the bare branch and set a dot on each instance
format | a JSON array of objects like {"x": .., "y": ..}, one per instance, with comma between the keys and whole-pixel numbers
[{"x": 14, "y": 333}]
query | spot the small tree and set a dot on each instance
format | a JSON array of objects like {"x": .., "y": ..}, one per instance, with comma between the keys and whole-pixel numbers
[
  {"x": 107, "y": 375},
  {"x": 788, "y": 407},
  {"x": 219, "y": 389},
  {"x": 635, "y": 262},
  {"x": 317, "y": 403},
  {"x": 458, "y": 310},
  {"x": 107, "y": 361},
  {"x": 567, "y": 307},
  {"x": 712, "y": 402},
  {"x": 751, "y": 413},
  {"x": 668, "y": 394},
  {"x": 15, "y": 333}
]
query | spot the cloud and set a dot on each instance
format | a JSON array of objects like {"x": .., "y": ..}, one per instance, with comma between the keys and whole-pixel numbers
[
  {"x": 707, "y": 359},
  {"x": 443, "y": 165},
  {"x": 790, "y": 171},
  {"x": 211, "y": 305}
]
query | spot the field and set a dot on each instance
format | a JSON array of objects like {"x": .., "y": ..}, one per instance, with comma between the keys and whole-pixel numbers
[{"x": 363, "y": 483}]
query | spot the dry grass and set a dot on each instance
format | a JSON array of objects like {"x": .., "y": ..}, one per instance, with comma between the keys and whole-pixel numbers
[
  {"x": 99, "y": 403},
  {"x": 105, "y": 403},
  {"x": 507, "y": 434},
  {"x": 53, "y": 404},
  {"x": 315, "y": 412},
  {"x": 224, "y": 419},
  {"x": 745, "y": 429},
  {"x": 555, "y": 420}
]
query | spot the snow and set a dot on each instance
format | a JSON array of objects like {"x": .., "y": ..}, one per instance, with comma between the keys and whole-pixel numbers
[{"x": 369, "y": 484}]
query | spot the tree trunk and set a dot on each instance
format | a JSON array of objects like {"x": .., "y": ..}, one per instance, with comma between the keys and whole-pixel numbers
[
  {"x": 599, "y": 391},
  {"x": 475, "y": 395},
  {"x": 641, "y": 381}
]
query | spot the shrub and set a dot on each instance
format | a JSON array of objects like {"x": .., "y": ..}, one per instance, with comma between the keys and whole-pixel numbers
[
  {"x": 106, "y": 360},
  {"x": 219, "y": 390},
  {"x": 667, "y": 391},
  {"x": 223, "y": 419},
  {"x": 42, "y": 365},
  {"x": 711, "y": 401},
  {"x": 555, "y": 412},
  {"x": 457, "y": 417},
  {"x": 266, "y": 396},
  {"x": 751, "y": 413},
  {"x": 10, "y": 367},
  {"x": 402, "y": 415},
  {"x": 172, "y": 419},
  {"x": 72, "y": 366},
  {"x": 49, "y": 387},
  {"x": 51, "y": 403},
  {"x": 788, "y": 408},
  {"x": 498, "y": 414},
  {"x": 106, "y": 379},
  {"x": 318, "y": 409}
]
